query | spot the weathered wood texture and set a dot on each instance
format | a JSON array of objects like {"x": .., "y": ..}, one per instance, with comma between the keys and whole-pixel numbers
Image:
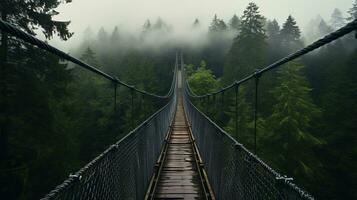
[{"x": 179, "y": 178}]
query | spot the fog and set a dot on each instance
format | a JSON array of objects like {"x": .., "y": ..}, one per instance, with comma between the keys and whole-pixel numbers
[{"x": 130, "y": 15}]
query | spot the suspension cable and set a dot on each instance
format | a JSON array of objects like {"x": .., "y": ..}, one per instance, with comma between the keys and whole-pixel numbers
[
  {"x": 10, "y": 29},
  {"x": 350, "y": 27}
]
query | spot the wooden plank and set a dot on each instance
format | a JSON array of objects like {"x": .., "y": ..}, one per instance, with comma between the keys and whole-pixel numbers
[{"x": 179, "y": 178}]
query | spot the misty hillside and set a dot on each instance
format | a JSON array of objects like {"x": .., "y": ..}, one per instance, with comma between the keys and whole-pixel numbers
[{"x": 56, "y": 116}]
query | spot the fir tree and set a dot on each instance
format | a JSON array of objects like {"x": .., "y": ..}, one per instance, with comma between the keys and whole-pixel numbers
[
  {"x": 217, "y": 25},
  {"x": 102, "y": 36},
  {"x": 147, "y": 26},
  {"x": 234, "y": 24},
  {"x": 249, "y": 47},
  {"x": 114, "y": 38},
  {"x": 274, "y": 41},
  {"x": 27, "y": 14},
  {"x": 337, "y": 20},
  {"x": 324, "y": 29},
  {"x": 353, "y": 12},
  {"x": 252, "y": 22},
  {"x": 245, "y": 111},
  {"x": 196, "y": 23},
  {"x": 290, "y": 35},
  {"x": 89, "y": 57},
  {"x": 291, "y": 143}
]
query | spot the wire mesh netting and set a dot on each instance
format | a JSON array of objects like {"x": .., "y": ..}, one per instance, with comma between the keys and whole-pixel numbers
[
  {"x": 233, "y": 171},
  {"x": 123, "y": 171}
]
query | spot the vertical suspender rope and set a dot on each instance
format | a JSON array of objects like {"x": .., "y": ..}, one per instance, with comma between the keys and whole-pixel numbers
[
  {"x": 236, "y": 111},
  {"x": 256, "y": 109}
]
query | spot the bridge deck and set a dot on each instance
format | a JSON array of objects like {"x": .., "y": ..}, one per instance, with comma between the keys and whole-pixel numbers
[{"x": 179, "y": 177}]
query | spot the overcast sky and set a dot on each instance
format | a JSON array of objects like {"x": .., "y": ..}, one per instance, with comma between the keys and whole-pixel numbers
[{"x": 131, "y": 14}]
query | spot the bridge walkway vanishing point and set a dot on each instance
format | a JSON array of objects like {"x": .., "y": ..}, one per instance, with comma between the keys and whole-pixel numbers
[
  {"x": 181, "y": 174},
  {"x": 124, "y": 170}
]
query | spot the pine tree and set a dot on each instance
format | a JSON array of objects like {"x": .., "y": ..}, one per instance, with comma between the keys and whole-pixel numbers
[
  {"x": 196, "y": 23},
  {"x": 103, "y": 36},
  {"x": 324, "y": 29},
  {"x": 214, "y": 24},
  {"x": 274, "y": 41},
  {"x": 160, "y": 25},
  {"x": 249, "y": 47},
  {"x": 337, "y": 20},
  {"x": 114, "y": 38},
  {"x": 353, "y": 12},
  {"x": 89, "y": 57},
  {"x": 288, "y": 139},
  {"x": 252, "y": 22},
  {"x": 30, "y": 85},
  {"x": 234, "y": 24},
  {"x": 147, "y": 26},
  {"x": 27, "y": 14},
  {"x": 290, "y": 35},
  {"x": 273, "y": 29},
  {"x": 245, "y": 119},
  {"x": 217, "y": 25}
]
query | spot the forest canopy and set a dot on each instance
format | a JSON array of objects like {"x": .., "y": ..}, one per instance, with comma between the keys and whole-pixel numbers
[{"x": 55, "y": 117}]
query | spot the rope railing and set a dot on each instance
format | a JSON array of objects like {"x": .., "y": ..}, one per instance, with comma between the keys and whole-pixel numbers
[
  {"x": 122, "y": 171},
  {"x": 14, "y": 31},
  {"x": 350, "y": 27},
  {"x": 234, "y": 172}
]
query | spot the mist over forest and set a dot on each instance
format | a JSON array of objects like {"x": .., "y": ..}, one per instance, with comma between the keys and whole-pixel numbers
[{"x": 56, "y": 117}]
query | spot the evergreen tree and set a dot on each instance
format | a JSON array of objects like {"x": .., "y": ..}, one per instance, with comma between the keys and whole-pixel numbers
[
  {"x": 89, "y": 57},
  {"x": 217, "y": 25},
  {"x": 147, "y": 26},
  {"x": 324, "y": 29},
  {"x": 289, "y": 140},
  {"x": 103, "y": 36},
  {"x": 245, "y": 119},
  {"x": 160, "y": 25},
  {"x": 273, "y": 30},
  {"x": 337, "y": 20},
  {"x": 196, "y": 23},
  {"x": 88, "y": 35},
  {"x": 234, "y": 24},
  {"x": 219, "y": 40},
  {"x": 353, "y": 12},
  {"x": 249, "y": 47},
  {"x": 114, "y": 38},
  {"x": 274, "y": 40},
  {"x": 290, "y": 35},
  {"x": 27, "y": 14},
  {"x": 32, "y": 86}
]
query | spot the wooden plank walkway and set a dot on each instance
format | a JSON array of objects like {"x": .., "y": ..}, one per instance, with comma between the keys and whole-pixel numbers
[{"x": 179, "y": 177}]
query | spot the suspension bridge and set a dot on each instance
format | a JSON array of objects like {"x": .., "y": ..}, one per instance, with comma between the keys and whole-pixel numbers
[{"x": 178, "y": 152}]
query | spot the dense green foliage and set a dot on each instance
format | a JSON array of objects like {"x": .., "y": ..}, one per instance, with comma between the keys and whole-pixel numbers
[
  {"x": 55, "y": 116},
  {"x": 306, "y": 111},
  {"x": 249, "y": 49}
]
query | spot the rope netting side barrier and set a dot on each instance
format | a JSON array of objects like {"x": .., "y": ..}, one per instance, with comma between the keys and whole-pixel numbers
[
  {"x": 123, "y": 171},
  {"x": 234, "y": 172}
]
